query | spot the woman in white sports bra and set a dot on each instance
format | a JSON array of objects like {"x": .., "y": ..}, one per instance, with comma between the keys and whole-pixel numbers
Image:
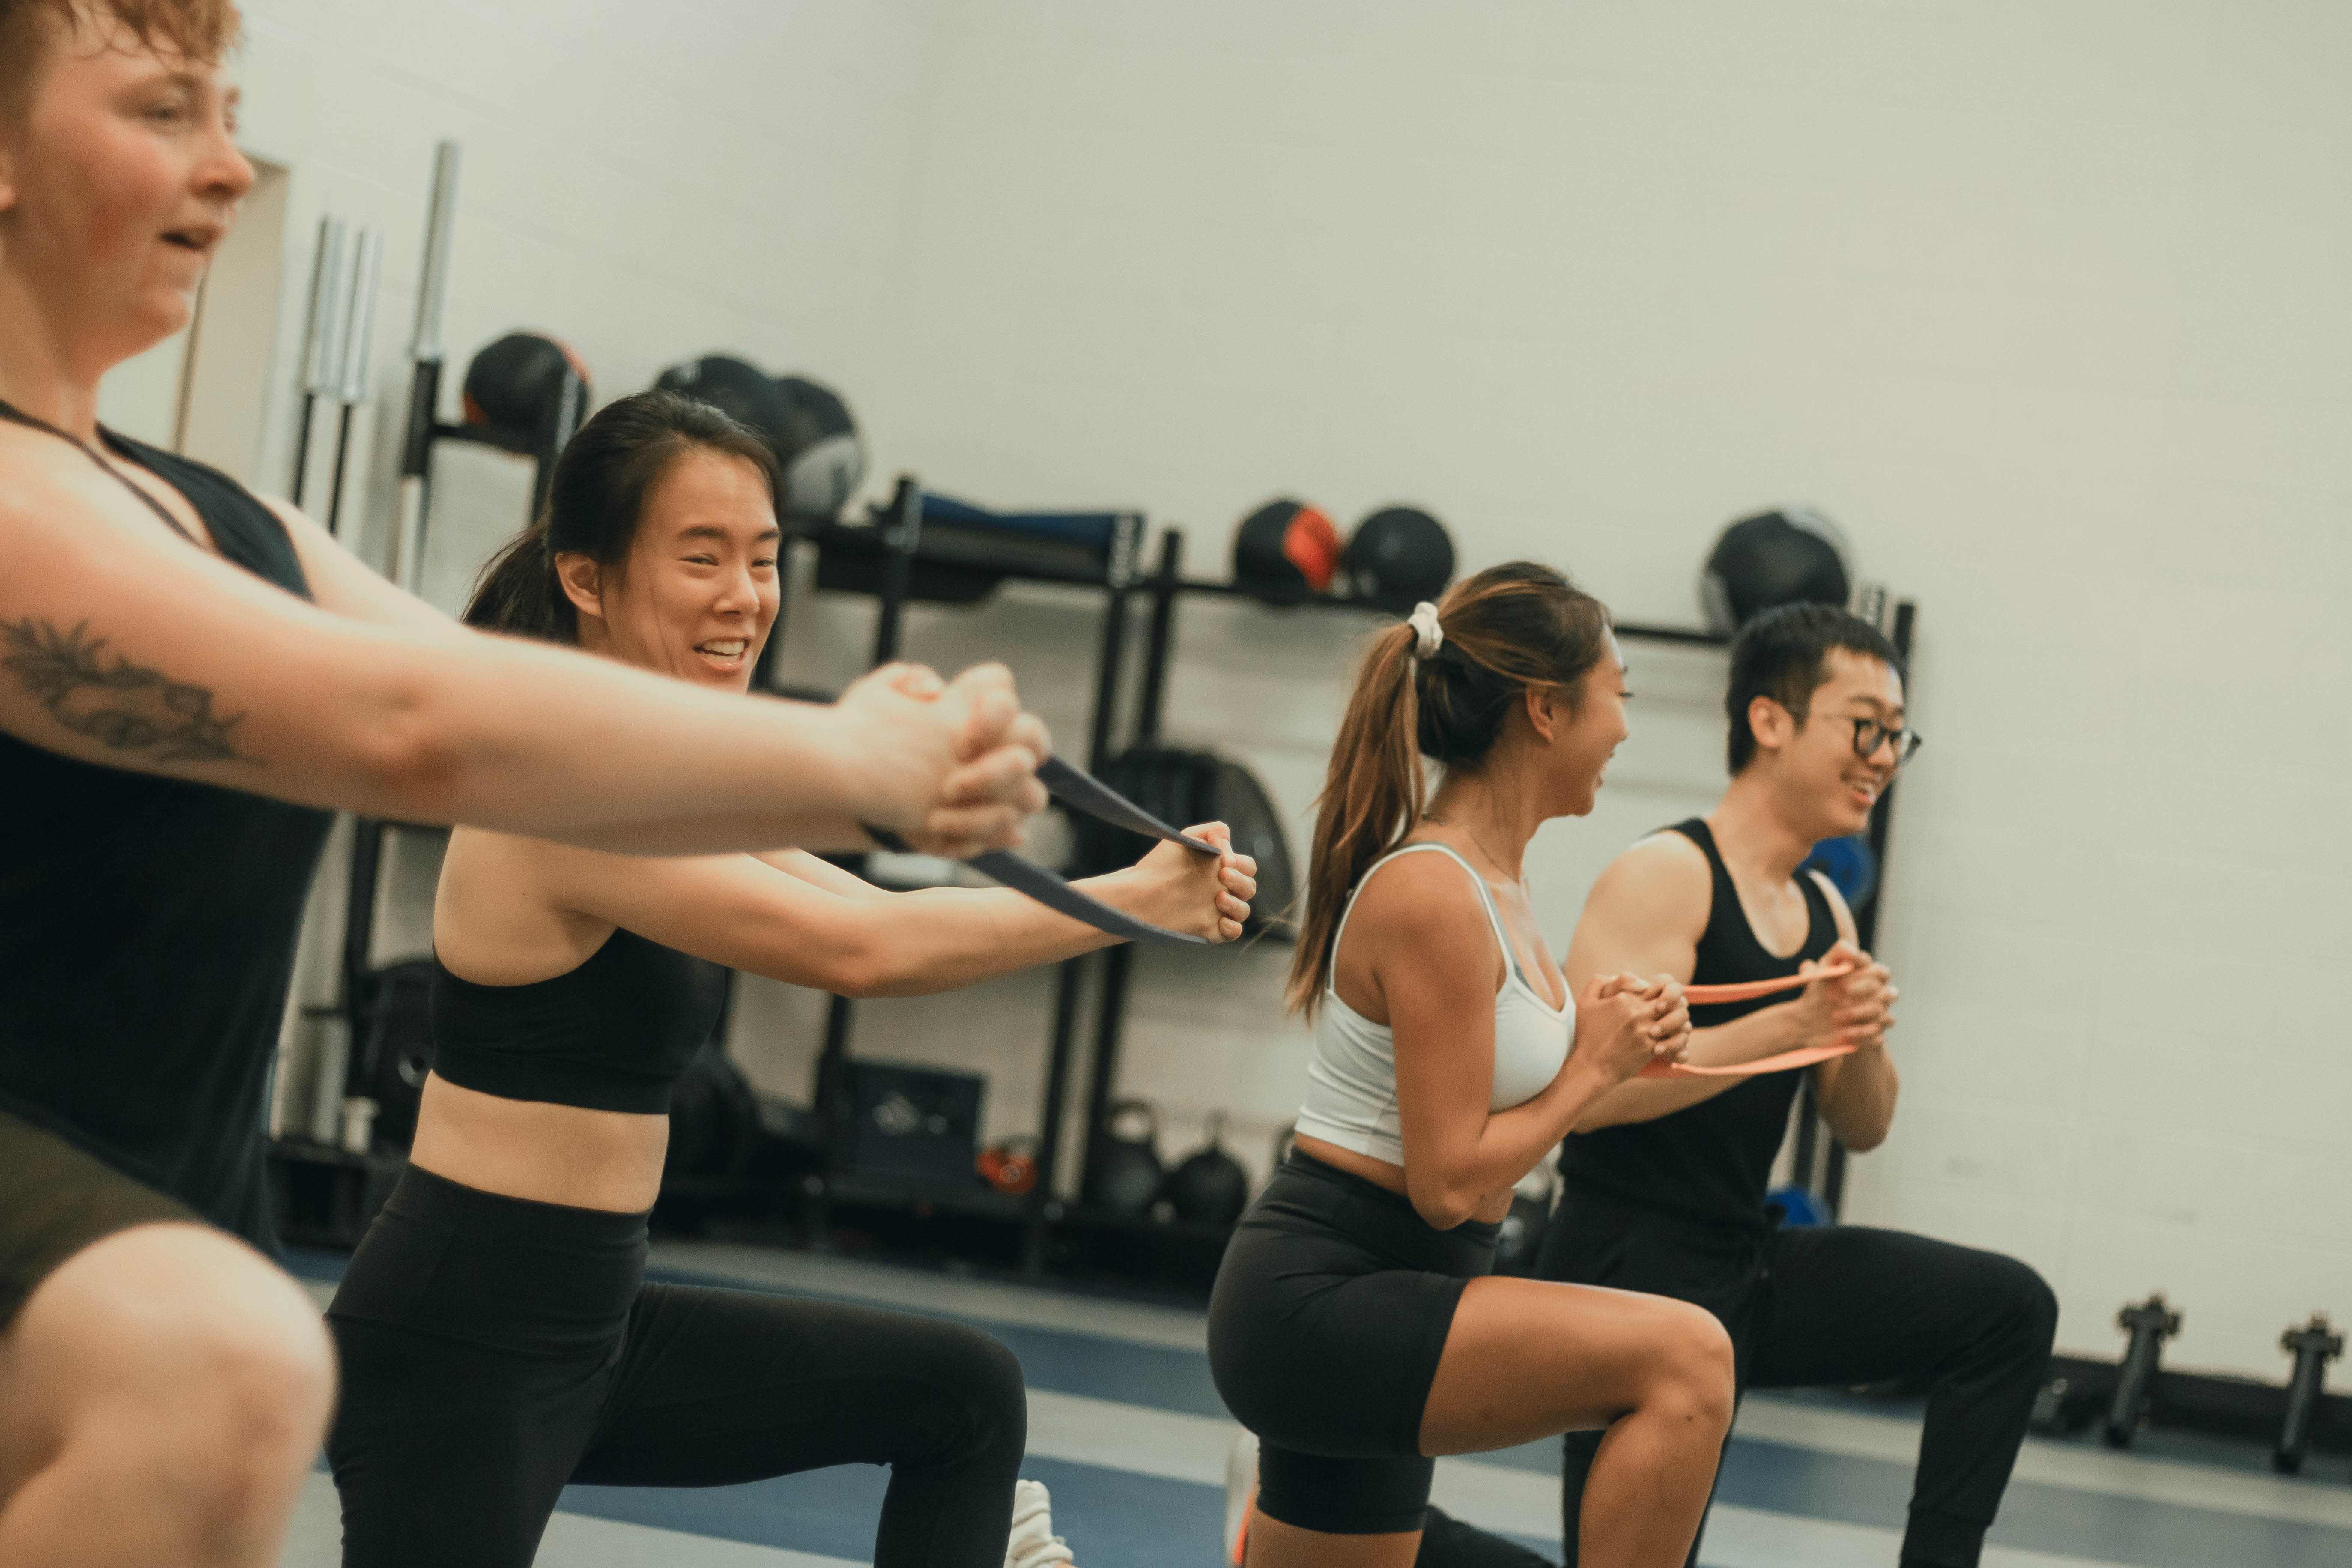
[{"x": 1357, "y": 1328}]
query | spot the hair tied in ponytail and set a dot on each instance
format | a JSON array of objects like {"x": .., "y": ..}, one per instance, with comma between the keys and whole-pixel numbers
[{"x": 1428, "y": 637}]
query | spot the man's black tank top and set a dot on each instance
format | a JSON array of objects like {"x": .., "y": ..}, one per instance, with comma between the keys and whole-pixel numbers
[
  {"x": 147, "y": 930},
  {"x": 1709, "y": 1162},
  {"x": 611, "y": 1034}
]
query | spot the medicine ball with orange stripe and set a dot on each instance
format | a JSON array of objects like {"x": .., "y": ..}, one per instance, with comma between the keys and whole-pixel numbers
[{"x": 1286, "y": 551}]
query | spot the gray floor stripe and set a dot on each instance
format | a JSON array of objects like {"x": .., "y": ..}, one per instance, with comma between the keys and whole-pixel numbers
[{"x": 884, "y": 1286}]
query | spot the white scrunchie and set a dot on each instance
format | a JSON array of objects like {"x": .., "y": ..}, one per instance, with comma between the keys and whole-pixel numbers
[{"x": 1428, "y": 635}]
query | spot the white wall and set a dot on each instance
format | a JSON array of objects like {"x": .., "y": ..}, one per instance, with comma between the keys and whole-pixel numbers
[{"x": 2041, "y": 299}]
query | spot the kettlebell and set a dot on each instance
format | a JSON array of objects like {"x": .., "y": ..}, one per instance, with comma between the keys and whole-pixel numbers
[
  {"x": 1209, "y": 1186},
  {"x": 1125, "y": 1175}
]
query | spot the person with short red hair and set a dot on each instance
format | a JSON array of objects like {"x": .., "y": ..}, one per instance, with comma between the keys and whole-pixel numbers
[{"x": 191, "y": 680}]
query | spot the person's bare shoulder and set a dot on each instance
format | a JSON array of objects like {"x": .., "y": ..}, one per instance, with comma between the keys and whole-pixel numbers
[
  {"x": 1663, "y": 872},
  {"x": 1646, "y": 911}
]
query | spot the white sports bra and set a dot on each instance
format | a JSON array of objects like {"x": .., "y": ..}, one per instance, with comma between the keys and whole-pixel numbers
[{"x": 1351, "y": 1098}]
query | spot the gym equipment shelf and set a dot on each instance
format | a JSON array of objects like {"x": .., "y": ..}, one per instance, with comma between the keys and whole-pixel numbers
[{"x": 891, "y": 558}]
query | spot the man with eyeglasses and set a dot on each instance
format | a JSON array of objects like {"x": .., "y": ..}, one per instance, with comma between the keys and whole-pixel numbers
[{"x": 1663, "y": 1181}]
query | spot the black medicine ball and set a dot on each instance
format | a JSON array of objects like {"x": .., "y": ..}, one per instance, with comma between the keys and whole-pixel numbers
[
  {"x": 514, "y": 385},
  {"x": 1284, "y": 552},
  {"x": 1398, "y": 557},
  {"x": 1792, "y": 556},
  {"x": 736, "y": 388},
  {"x": 824, "y": 460}
]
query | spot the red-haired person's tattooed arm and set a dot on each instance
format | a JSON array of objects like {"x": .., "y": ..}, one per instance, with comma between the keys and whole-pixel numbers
[{"x": 127, "y": 649}]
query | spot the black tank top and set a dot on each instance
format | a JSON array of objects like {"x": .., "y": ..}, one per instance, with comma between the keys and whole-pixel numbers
[
  {"x": 611, "y": 1034},
  {"x": 1710, "y": 1161},
  {"x": 147, "y": 930}
]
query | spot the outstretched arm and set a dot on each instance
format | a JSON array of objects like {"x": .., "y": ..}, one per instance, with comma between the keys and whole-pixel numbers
[
  {"x": 129, "y": 651},
  {"x": 793, "y": 917}
]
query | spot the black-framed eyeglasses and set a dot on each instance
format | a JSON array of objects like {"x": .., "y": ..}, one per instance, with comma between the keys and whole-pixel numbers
[{"x": 1869, "y": 734}]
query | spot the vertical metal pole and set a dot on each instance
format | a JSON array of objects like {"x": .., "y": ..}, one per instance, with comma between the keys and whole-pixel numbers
[
  {"x": 424, "y": 356},
  {"x": 1110, "y": 662},
  {"x": 1045, "y": 1201},
  {"x": 425, "y": 353},
  {"x": 318, "y": 333},
  {"x": 563, "y": 421},
  {"x": 900, "y": 537},
  {"x": 1159, "y": 638},
  {"x": 350, "y": 390}
]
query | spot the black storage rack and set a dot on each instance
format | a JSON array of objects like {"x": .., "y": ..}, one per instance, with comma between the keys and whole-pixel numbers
[{"x": 894, "y": 558}]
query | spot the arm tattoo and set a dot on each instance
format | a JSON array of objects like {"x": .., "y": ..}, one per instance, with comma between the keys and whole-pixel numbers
[{"x": 126, "y": 707}]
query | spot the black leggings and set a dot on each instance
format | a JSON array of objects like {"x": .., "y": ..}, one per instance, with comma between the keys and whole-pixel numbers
[
  {"x": 494, "y": 1349},
  {"x": 1837, "y": 1306},
  {"x": 1331, "y": 1313}
]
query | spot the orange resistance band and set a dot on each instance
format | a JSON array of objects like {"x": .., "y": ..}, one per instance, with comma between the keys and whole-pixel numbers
[{"x": 1748, "y": 990}]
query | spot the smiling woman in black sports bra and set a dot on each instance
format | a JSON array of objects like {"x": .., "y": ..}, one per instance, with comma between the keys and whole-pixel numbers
[{"x": 497, "y": 1338}]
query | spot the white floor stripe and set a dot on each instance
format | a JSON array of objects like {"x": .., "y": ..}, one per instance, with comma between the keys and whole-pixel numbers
[
  {"x": 573, "y": 1541},
  {"x": 1163, "y": 1443},
  {"x": 2075, "y": 1466}
]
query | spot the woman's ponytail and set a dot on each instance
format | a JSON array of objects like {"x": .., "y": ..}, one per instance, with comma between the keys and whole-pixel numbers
[
  {"x": 518, "y": 591},
  {"x": 1372, "y": 797},
  {"x": 1496, "y": 634}
]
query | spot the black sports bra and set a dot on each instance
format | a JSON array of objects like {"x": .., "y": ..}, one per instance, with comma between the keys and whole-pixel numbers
[{"x": 611, "y": 1034}]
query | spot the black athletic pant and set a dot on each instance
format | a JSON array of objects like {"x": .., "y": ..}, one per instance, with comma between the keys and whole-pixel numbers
[
  {"x": 1839, "y": 1305},
  {"x": 494, "y": 1349}
]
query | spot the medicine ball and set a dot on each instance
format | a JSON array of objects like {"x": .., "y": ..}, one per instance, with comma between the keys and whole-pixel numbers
[
  {"x": 1792, "y": 556},
  {"x": 1849, "y": 865},
  {"x": 514, "y": 387},
  {"x": 1398, "y": 557},
  {"x": 1284, "y": 552},
  {"x": 1124, "y": 1174},
  {"x": 1009, "y": 1167},
  {"x": 736, "y": 388},
  {"x": 1209, "y": 1186},
  {"x": 824, "y": 457}
]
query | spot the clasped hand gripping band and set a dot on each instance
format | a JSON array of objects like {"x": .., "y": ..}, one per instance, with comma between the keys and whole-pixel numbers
[{"x": 1081, "y": 791}]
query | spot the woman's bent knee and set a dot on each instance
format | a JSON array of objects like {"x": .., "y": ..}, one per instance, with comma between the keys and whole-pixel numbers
[{"x": 1696, "y": 1374}]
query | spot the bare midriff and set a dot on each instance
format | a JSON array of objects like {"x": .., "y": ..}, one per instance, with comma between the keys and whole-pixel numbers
[
  {"x": 547, "y": 1154},
  {"x": 1381, "y": 1173}
]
